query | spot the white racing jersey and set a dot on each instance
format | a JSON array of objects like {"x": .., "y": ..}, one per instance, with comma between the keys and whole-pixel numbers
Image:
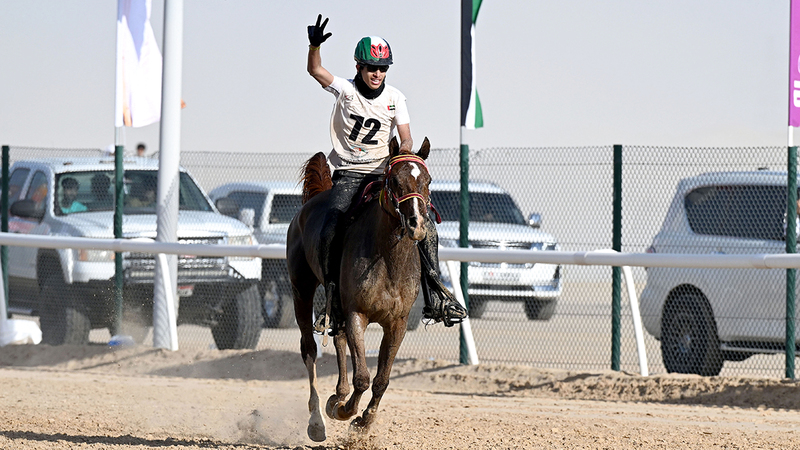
[{"x": 361, "y": 128}]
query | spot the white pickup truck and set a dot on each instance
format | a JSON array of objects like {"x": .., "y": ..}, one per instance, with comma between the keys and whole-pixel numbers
[{"x": 72, "y": 291}]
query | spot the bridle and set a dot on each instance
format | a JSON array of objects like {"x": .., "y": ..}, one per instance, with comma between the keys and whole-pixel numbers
[{"x": 387, "y": 196}]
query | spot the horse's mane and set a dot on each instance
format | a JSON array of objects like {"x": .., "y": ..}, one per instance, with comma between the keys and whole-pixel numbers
[{"x": 316, "y": 176}]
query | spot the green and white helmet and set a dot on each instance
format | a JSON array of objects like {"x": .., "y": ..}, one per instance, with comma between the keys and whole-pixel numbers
[{"x": 373, "y": 50}]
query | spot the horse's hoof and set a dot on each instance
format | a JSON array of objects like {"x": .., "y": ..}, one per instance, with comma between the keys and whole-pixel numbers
[
  {"x": 359, "y": 425},
  {"x": 330, "y": 406},
  {"x": 316, "y": 432}
]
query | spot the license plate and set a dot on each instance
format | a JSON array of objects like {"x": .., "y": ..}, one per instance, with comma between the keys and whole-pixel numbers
[
  {"x": 499, "y": 276},
  {"x": 186, "y": 291}
]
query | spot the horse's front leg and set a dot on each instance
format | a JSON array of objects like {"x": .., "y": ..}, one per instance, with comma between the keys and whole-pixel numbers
[
  {"x": 336, "y": 401},
  {"x": 356, "y": 324},
  {"x": 392, "y": 338}
]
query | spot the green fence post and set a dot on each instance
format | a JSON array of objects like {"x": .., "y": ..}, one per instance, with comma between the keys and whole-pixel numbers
[
  {"x": 791, "y": 247},
  {"x": 119, "y": 197},
  {"x": 4, "y": 222},
  {"x": 464, "y": 242},
  {"x": 616, "y": 272}
]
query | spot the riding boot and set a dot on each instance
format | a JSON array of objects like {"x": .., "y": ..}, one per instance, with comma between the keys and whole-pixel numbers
[
  {"x": 329, "y": 257},
  {"x": 440, "y": 304}
]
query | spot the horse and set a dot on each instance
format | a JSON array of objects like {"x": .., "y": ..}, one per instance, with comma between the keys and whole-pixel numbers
[{"x": 379, "y": 278}]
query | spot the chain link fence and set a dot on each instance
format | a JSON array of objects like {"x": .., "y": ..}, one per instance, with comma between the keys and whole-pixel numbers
[{"x": 540, "y": 315}]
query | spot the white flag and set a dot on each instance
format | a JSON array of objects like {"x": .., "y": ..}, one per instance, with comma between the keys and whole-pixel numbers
[{"x": 138, "y": 101}]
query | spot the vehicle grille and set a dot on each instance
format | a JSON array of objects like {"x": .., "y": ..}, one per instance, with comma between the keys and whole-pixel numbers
[{"x": 141, "y": 266}]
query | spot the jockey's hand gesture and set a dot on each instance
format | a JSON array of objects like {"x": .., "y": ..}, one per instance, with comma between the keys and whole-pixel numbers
[{"x": 316, "y": 33}]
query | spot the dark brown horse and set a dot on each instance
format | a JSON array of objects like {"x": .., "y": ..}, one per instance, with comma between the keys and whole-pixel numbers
[{"x": 379, "y": 279}]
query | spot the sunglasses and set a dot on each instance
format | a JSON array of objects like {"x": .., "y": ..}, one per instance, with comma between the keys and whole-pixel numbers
[{"x": 371, "y": 68}]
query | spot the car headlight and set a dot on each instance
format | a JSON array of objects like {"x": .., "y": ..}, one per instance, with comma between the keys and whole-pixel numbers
[
  {"x": 240, "y": 240},
  {"x": 452, "y": 243},
  {"x": 95, "y": 255}
]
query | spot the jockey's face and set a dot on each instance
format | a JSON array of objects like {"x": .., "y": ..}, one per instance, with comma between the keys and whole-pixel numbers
[{"x": 372, "y": 75}]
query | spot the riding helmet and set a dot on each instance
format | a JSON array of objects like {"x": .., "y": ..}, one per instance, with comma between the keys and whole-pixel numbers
[{"x": 373, "y": 50}]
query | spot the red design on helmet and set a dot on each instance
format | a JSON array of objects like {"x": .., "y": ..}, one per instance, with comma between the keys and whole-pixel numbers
[{"x": 380, "y": 51}]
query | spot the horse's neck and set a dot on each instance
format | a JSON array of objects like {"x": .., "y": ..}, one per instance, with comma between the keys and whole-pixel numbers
[{"x": 387, "y": 233}]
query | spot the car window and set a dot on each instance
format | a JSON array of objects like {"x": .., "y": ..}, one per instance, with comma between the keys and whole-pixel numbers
[
  {"x": 284, "y": 208},
  {"x": 92, "y": 192},
  {"x": 15, "y": 182},
  {"x": 95, "y": 192},
  {"x": 252, "y": 200},
  {"x": 483, "y": 207},
  {"x": 141, "y": 187},
  {"x": 37, "y": 192},
  {"x": 752, "y": 212}
]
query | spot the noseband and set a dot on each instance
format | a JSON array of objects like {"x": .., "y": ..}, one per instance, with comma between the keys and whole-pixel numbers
[{"x": 388, "y": 196}]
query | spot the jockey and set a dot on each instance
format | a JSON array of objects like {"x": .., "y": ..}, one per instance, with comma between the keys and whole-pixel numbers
[{"x": 365, "y": 114}]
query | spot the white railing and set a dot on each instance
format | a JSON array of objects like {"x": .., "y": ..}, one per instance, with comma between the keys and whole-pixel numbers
[{"x": 596, "y": 257}]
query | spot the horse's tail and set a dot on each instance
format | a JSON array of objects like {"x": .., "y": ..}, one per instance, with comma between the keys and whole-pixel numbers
[{"x": 316, "y": 176}]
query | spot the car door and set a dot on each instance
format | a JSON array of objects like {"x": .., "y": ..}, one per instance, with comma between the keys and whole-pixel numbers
[
  {"x": 756, "y": 303},
  {"x": 24, "y": 258}
]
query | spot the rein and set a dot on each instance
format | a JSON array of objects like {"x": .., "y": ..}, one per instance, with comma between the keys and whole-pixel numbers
[{"x": 386, "y": 194}]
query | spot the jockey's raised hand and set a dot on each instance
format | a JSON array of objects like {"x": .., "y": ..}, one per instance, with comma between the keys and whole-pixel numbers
[{"x": 316, "y": 33}]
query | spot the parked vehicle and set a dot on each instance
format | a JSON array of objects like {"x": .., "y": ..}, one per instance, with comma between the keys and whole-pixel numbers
[
  {"x": 704, "y": 317},
  {"x": 73, "y": 290},
  {"x": 495, "y": 221},
  {"x": 268, "y": 207}
]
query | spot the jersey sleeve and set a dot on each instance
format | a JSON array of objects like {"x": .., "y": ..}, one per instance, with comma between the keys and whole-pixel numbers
[
  {"x": 337, "y": 85},
  {"x": 401, "y": 116}
]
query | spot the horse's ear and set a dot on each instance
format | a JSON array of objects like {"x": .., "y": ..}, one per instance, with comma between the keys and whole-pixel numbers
[
  {"x": 394, "y": 147},
  {"x": 425, "y": 149}
]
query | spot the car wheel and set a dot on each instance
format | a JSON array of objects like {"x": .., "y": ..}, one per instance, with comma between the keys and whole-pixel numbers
[
  {"x": 63, "y": 317},
  {"x": 537, "y": 309},
  {"x": 689, "y": 342},
  {"x": 277, "y": 304},
  {"x": 277, "y": 301},
  {"x": 239, "y": 325},
  {"x": 476, "y": 308}
]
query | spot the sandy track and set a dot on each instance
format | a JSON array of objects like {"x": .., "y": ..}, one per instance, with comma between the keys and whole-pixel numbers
[{"x": 139, "y": 398}]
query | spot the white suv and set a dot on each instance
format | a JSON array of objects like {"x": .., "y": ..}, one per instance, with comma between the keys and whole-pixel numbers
[
  {"x": 706, "y": 316},
  {"x": 72, "y": 290},
  {"x": 495, "y": 221}
]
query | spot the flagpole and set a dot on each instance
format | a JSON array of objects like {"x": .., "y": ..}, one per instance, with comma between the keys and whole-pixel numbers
[
  {"x": 169, "y": 156},
  {"x": 791, "y": 185},
  {"x": 119, "y": 145}
]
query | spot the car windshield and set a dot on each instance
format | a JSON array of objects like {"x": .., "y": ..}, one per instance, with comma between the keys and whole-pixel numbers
[
  {"x": 78, "y": 192},
  {"x": 483, "y": 207}
]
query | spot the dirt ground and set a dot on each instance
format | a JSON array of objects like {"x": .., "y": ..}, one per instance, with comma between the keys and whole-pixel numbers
[{"x": 96, "y": 397}]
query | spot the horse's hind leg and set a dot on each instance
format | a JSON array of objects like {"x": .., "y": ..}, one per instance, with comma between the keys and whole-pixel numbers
[
  {"x": 336, "y": 401},
  {"x": 304, "y": 314},
  {"x": 392, "y": 338}
]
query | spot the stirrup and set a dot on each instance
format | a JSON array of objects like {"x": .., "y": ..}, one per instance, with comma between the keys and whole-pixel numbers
[
  {"x": 449, "y": 314},
  {"x": 323, "y": 323},
  {"x": 447, "y": 310}
]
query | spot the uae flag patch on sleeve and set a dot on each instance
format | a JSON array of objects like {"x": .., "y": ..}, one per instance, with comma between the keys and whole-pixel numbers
[{"x": 390, "y": 107}]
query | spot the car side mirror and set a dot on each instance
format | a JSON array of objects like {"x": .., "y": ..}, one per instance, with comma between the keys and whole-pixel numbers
[
  {"x": 535, "y": 220},
  {"x": 26, "y": 209},
  {"x": 248, "y": 216},
  {"x": 227, "y": 206}
]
